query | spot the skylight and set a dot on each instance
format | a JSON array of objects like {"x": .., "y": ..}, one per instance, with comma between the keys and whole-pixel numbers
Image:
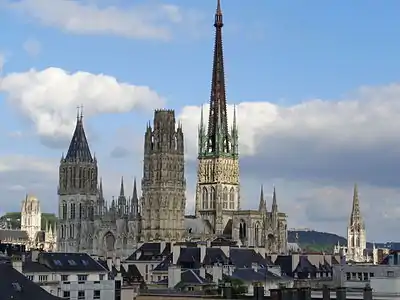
[
  {"x": 17, "y": 287},
  {"x": 85, "y": 262},
  {"x": 71, "y": 262},
  {"x": 57, "y": 262}
]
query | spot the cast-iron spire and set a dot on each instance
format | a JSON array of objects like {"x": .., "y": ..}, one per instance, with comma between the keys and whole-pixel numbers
[{"x": 218, "y": 120}]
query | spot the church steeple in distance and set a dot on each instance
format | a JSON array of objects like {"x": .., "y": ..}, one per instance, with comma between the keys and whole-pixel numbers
[{"x": 218, "y": 141}]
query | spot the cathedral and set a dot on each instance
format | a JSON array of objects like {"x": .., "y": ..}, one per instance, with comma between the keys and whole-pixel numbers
[
  {"x": 356, "y": 235},
  {"x": 218, "y": 201},
  {"x": 87, "y": 223},
  {"x": 31, "y": 220}
]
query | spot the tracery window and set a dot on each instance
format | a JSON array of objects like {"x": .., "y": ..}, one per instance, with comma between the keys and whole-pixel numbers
[
  {"x": 64, "y": 211},
  {"x": 213, "y": 198},
  {"x": 225, "y": 198},
  {"x": 232, "y": 198},
  {"x": 205, "y": 198},
  {"x": 73, "y": 211}
]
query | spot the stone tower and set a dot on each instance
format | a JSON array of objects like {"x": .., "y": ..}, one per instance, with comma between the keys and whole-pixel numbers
[
  {"x": 218, "y": 188},
  {"x": 356, "y": 235},
  {"x": 31, "y": 218},
  {"x": 77, "y": 190},
  {"x": 163, "y": 183}
]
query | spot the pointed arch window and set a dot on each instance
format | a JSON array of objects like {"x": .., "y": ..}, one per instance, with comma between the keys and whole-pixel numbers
[
  {"x": 213, "y": 198},
  {"x": 205, "y": 198},
  {"x": 232, "y": 198},
  {"x": 64, "y": 211},
  {"x": 73, "y": 211},
  {"x": 225, "y": 198}
]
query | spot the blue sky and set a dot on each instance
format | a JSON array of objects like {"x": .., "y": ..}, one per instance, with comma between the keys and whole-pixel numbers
[{"x": 278, "y": 54}]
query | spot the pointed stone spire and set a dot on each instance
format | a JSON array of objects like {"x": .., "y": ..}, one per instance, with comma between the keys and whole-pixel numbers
[
  {"x": 134, "y": 200},
  {"x": 355, "y": 211},
  {"x": 122, "y": 190},
  {"x": 101, "y": 195},
  {"x": 274, "y": 202},
  {"x": 262, "y": 206}
]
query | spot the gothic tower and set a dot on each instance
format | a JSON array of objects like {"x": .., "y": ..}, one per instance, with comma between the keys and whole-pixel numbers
[
  {"x": 356, "y": 235},
  {"x": 218, "y": 188},
  {"x": 163, "y": 182},
  {"x": 77, "y": 190},
  {"x": 31, "y": 218}
]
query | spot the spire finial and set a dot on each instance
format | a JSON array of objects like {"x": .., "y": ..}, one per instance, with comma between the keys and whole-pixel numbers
[
  {"x": 78, "y": 112},
  {"x": 218, "y": 15},
  {"x": 122, "y": 189},
  {"x": 81, "y": 112}
]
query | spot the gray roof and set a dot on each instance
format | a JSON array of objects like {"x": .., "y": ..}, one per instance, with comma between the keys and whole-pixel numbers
[
  {"x": 14, "y": 285},
  {"x": 12, "y": 235}
]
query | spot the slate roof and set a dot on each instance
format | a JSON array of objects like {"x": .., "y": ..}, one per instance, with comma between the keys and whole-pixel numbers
[
  {"x": 250, "y": 274},
  {"x": 244, "y": 257},
  {"x": 163, "y": 266},
  {"x": 79, "y": 147},
  {"x": 305, "y": 266},
  {"x": 69, "y": 262},
  {"x": 11, "y": 234},
  {"x": 34, "y": 267},
  {"x": 14, "y": 285},
  {"x": 130, "y": 275},
  {"x": 150, "y": 251}
]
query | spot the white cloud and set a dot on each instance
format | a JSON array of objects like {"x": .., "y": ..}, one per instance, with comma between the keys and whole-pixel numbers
[
  {"x": 154, "y": 21},
  {"x": 369, "y": 117},
  {"x": 32, "y": 47},
  {"x": 2, "y": 62},
  {"x": 49, "y": 97}
]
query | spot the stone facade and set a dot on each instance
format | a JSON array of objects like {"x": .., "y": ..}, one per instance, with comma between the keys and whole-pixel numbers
[
  {"x": 86, "y": 222},
  {"x": 218, "y": 202},
  {"x": 163, "y": 185},
  {"x": 31, "y": 220}
]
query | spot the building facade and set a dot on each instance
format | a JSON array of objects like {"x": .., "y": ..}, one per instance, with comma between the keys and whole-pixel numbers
[
  {"x": 218, "y": 202},
  {"x": 31, "y": 223},
  {"x": 86, "y": 222},
  {"x": 163, "y": 184},
  {"x": 356, "y": 249}
]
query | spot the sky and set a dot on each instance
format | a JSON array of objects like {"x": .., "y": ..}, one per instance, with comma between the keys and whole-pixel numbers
[{"x": 317, "y": 90}]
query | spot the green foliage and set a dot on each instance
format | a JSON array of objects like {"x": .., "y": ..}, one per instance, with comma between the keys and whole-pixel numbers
[{"x": 15, "y": 219}]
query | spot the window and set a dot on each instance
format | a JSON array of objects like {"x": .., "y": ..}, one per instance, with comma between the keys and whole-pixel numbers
[
  {"x": 57, "y": 262},
  {"x": 81, "y": 295},
  {"x": 42, "y": 278},
  {"x": 85, "y": 262},
  {"x": 365, "y": 276},
  {"x": 82, "y": 277},
  {"x": 30, "y": 277},
  {"x": 66, "y": 295},
  {"x": 96, "y": 295},
  {"x": 101, "y": 277},
  {"x": 72, "y": 211},
  {"x": 371, "y": 275},
  {"x": 71, "y": 262},
  {"x": 64, "y": 277},
  {"x": 390, "y": 274}
]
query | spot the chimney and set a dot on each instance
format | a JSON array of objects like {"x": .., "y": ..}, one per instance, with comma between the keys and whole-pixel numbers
[
  {"x": 109, "y": 263},
  {"x": 118, "y": 263},
  {"x": 254, "y": 266},
  {"x": 162, "y": 246},
  {"x": 202, "y": 272},
  {"x": 217, "y": 273},
  {"x": 203, "y": 250},
  {"x": 17, "y": 264},
  {"x": 35, "y": 255},
  {"x": 174, "y": 276},
  {"x": 176, "y": 252},
  {"x": 226, "y": 251},
  {"x": 261, "y": 251}
]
